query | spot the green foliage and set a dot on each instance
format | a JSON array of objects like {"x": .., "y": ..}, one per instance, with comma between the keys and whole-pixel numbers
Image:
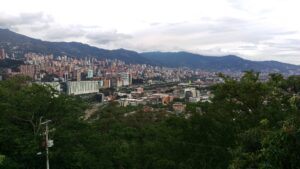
[
  {"x": 248, "y": 124},
  {"x": 23, "y": 107}
]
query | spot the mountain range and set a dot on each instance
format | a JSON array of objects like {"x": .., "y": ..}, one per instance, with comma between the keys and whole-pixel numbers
[
  {"x": 215, "y": 63},
  {"x": 20, "y": 44}
]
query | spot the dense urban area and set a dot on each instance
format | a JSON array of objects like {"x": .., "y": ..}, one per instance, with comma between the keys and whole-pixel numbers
[
  {"x": 113, "y": 80},
  {"x": 71, "y": 113}
]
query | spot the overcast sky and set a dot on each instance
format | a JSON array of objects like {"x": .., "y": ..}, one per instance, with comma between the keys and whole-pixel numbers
[{"x": 252, "y": 29}]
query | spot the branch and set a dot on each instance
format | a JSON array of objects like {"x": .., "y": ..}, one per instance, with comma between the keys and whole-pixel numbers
[{"x": 27, "y": 121}]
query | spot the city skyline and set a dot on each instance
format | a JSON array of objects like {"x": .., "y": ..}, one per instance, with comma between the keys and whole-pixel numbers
[{"x": 256, "y": 30}]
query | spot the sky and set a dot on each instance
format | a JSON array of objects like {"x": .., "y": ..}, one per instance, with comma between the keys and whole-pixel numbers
[{"x": 252, "y": 29}]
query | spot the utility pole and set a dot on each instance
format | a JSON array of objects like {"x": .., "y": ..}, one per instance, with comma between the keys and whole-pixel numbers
[{"x": 47, "y": 143}]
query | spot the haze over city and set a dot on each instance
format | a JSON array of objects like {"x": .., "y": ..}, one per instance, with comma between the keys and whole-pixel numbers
[{"x": 256, "y": 30}]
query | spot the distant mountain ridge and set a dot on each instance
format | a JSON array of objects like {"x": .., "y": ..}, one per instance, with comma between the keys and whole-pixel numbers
[
  {"x": 19, "y": 45},
  {"x": 229, "y": 62}
]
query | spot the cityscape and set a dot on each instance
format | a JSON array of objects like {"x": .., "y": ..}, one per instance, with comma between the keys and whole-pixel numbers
[
  {"x": 149, "y": 84},
  {"x": 74, "y": 76}
]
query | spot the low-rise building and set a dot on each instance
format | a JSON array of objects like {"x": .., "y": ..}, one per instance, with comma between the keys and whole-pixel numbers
[{"x": 179, "y": 107}]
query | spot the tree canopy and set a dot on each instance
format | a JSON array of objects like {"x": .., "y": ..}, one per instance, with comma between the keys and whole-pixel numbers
[{"x": 247, "y": 124}]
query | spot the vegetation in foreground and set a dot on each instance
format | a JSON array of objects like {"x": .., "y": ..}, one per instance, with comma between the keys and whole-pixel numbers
[{"x": 248, "y": 124}]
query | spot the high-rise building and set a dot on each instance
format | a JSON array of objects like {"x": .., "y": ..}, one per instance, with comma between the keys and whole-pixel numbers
[
  {"x": 66, "y": 76},
  {"x": 125, "y": 78},
  {"x": 27, "y": 70},
  {"x": 116, "y": 82},
  {"x": 2, "y": 54},
  {"x": 106, "y": 83},
  {"x": 101, "y": 83},
  {"x": 76, "y": 75},
  {"x": 90, "y": 74}
]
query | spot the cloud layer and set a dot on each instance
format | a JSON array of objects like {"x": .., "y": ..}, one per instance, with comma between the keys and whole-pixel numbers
[{"x": 257, "y": 29}]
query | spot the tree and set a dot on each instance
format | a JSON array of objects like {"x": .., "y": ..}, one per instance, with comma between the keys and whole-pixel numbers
[
  {"x": 248, "y": 124},
  {"x": 23, "y": 107}
]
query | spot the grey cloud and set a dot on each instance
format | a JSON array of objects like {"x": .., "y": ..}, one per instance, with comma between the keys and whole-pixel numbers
[
  {"x": 247, "y": 47},
  {"x": 45, "y": 27},
  {"x": 62, "y": 33},
  {"x": 207, "y": 35},
  {"x": 220, "y": 31},
  {"x": 92, "y": 34},
  {"x": 247, "y": 38},
  {"x": 105, "y": 37},
  {"x": 31, "y": 18},
  {"x": 40, "y": 27},
  {"x": 207, "y": 25},
  {"x": 23, "y": 19},
  {"x": 236, "y": 3},
  {"x": 155, "y": 24},
  {"x": 291, "y": 45}
]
